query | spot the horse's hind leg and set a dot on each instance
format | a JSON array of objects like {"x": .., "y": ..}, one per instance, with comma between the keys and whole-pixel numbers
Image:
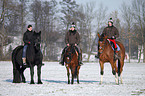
[
  {"x": 32, "y": 74},
  {"x": 39, "y": 74},
  {"x": 23, "y": 77},
  {"x": 121, "y": 69},
  {"x": 78, "y": 74},
  {"x": 116, "y": 72},
  {"x": 68, "y": 74}
]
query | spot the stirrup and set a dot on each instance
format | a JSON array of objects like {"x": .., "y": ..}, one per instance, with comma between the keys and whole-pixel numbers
[
  {"x": 97, "y": 56},
  {"x": 25, "y": 65}
]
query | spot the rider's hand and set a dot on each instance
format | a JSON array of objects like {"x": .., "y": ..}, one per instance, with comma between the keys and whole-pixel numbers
[
  {"x": 113, "y": 37},
  {"x": 67, "y": 44},
  {"x": 75, "y": 44}
]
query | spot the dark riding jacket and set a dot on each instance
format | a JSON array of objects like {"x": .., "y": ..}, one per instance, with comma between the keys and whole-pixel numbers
[
  {"x": 72, "y": 37},
  {"x": 110, "y": 31},
  {"x": 28, "y": 37}
]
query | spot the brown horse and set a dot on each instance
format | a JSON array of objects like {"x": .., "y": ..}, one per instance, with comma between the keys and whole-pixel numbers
[
  {"x": 106, "y": 54},
  {"x": 71, "y": 63}
]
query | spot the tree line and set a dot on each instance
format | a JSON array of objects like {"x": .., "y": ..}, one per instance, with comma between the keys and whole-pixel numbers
[{"x": 53, "y": 19}]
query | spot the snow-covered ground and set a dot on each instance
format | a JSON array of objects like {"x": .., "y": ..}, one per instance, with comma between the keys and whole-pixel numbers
[{"x": 54, "y": 80}]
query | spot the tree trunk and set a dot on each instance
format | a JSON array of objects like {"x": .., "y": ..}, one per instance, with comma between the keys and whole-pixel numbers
[{"x": 144, "y": 53}]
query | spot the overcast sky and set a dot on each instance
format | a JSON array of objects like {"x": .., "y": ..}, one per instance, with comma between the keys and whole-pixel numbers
[{"x": 112, "y": 5}]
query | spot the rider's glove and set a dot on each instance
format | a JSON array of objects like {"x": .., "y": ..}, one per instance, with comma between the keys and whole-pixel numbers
[{"x": 112, "y": 37}]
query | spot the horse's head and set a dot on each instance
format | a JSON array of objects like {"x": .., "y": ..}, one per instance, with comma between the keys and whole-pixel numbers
[
  {"x": 101, "y": 42},
  {"x": 70, "y": 51},
  {"x": 37, "y": 39}
]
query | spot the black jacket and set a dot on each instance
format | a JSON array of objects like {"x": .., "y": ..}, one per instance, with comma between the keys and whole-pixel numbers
[{"x": 28, "y": 37}]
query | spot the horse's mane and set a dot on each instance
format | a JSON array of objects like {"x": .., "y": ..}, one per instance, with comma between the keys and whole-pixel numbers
[{"x": 101, "y": 37}]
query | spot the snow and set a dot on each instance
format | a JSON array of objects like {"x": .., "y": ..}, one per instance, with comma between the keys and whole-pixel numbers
[{"x": 54, "y": 80}]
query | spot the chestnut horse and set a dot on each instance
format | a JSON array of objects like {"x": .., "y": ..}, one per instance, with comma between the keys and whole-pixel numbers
[
  {"x": 106, "y": 54},
  {"x": 72, "y": 63}
]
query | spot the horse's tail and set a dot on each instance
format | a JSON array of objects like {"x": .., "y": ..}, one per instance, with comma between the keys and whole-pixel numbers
[
  {"x": 14, "y": 53},
  {"x": 16, "y": 72},
  {"x": 76, "y": 71},
  {"x": 119, "y": 67}
]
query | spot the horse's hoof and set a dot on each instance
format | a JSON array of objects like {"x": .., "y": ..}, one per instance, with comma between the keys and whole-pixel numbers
[
  {"x": 23, "y": 81},
  {"x": 39, "y": 83},
  {"x": 32, "y": 83}
]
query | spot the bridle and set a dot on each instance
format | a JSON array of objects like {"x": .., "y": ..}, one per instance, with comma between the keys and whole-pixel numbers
[{"x": 102, "y": 47}]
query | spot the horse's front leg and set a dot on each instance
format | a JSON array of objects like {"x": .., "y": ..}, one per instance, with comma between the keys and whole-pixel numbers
[
  {"x": 68, "y": 74},
  {"x": 39, "y": 73},
  {"x": 32, "y": 74},
  {"x": 102, "y": 70},
  {"x": 73, "y": 73}
]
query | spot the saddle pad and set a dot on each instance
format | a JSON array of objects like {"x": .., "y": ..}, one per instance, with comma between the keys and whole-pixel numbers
[{"x": 118, "y": 48}]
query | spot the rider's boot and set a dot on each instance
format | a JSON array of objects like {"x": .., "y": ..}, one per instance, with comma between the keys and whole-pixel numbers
[
  {"x": 80, "y": 60},
  {"x": 24, "y": 62},
  {"x": 61, "y": 60}
]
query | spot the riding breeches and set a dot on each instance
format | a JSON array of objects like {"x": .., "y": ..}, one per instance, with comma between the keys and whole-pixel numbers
[{"x": 24, "y": 51}]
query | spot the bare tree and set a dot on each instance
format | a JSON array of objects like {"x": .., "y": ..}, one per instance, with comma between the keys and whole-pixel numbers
[
  {"x": 127, "y": 16},
  {"x": 138, "y": 7},
  {"x": 69, "y": 9},
  {"x": 100, "y": 16}
]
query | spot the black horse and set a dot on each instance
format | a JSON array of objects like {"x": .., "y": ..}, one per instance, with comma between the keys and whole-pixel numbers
[{"x": 33, "y": 57}]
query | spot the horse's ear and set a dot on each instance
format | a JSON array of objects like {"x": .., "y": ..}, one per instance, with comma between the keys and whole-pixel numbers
[
  {"x": 39, "y": 32},
  {"x": 98, "y": 35},
  {"x": 105, "y": 37}
]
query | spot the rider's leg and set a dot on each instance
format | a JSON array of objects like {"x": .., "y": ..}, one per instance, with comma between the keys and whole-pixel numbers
[
  {"x": 115, "y": 50},
  {"x": 62, "y": 56},
  {"x": 24, "y": 55},
  {"x": 79, "y": 55}
]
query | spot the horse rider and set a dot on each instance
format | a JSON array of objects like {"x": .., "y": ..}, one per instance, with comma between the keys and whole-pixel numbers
[
  {"x": 112, "y": 33},
  {"x": 72, "y": 37},
  {"x": 27, "y": 39}
]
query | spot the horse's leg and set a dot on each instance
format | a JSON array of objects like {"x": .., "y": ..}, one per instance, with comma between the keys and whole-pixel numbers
[
  {"x": 68, "y": 74},
  {"x": 32, "y": 74},
  {"x": 101, "y": 72},
  {"x": 72, "y": 72},
  {"x": 78, "y": 74},
  {"x": 23, "y": 77},
  {"x": 121, "y": 78},
  {"x": 121, "y": 69},
  {"x": 116, "y": 72},
  {"x": 39, "y": 74}
]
